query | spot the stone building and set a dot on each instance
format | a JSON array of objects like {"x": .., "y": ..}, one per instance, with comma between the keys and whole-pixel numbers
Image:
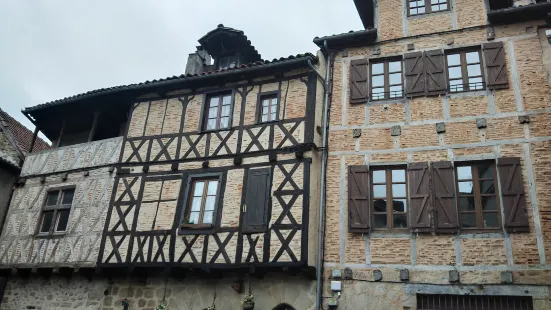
[
  {"x": 194, "y": 190},
  {"x": 438, "y": 172}
]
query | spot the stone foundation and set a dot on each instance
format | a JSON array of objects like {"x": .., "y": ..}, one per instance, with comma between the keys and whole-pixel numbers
[{"x": 182, "y": 294}]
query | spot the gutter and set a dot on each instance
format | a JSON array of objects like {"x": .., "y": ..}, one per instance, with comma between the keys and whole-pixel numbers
[
  {"x": 520, "y": 13},
  {"x": 353, "y": 38}
]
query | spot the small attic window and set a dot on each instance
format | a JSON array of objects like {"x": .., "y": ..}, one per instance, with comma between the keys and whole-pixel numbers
[{"x": 227, "y": 62}]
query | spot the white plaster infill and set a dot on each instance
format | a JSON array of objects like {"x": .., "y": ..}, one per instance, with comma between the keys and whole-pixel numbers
[{"x": 78, "y": 156}]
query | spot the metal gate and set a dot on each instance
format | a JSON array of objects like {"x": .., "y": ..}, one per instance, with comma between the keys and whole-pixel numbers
[{"x": 468, "y": 302}]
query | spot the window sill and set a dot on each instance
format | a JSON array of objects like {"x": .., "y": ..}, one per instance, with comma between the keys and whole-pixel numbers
[
  {"x": 443, "y": 12},
  {"x": 387, "y": 101},
  {"x": 50, "y": 235},
  {"x": 214, "y": 130},
  {"x": 196, "y": 229}
]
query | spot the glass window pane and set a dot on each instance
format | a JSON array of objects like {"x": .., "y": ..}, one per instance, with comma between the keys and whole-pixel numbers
[
  {"x": 487, "y": 187},
  {"x": 395, "y": 66},
  {"x": 380, "y": 220},
  {"x": 225, "y": 110},
  {"x": 466, "y": 204},
  {"x": 209, "y": 203},
  {"x": 46, "y": 221},
  {"x": 466, "y": 187},
  {"x": 456, "y": 85},
  {"x": 194, "y": 218},
  {"x": 468, "y": 220},
  {"x": 395, "y": 78},
  {"x": 377, "y": 69},
  {"x": 490, "y": 219},
  {"x": 68, "y": 197},
  {"x": 52, "y": 198},
  {"x": 434, "y": 1},
  {"x": 476, "y": 83},
  {"x": 399, "y": 221},
  {"x": 213, "y": 112},
  {"x": 421, "y": 3},
  {"x": 399, "y": 205},
  {"x": 226, "y": 100},
  {"x": 485, "y": 170},
  {"x": 207, "y": 217},
  {"x": 396, "y": 91},
  {"x": 421, "y": 10},
  {"x": 274, "y": 116},
  {"x": 489, "y": 203},
  {"x": 379, "y": 191},
  {"x": 464, "y": 173},
  {"x": 472, "y": 57},
  {"x": 265, "y": 110},
  {"x": 398, "y": 190},
  {"x": 473, "y": 70},
  {"x": 213, "y": 186},
  {"x": 265, "y": 102},
  {"x": 199, "y": 186},
  {"x": 264, "y": 118},
  {"x": 379, "y": 176},
  {"x": 196, "y": 204},
  {"x": 435, "y": 8},
  {"x": 379, "y": 205},
  {"x": 413, "y": 12},
  {"x": 378, "y": 80},
  {"x": 443, "y": 7},
  {"x": 454, "y": 72},
  {"x": 224, "y": 122},
  {"x": 454, "y": 60},
  {"x": 62, "y": 220},
  {"x": 214, "y": 101},
  {"x": 399, "y": 175},
  {"x": 378, "y": 93},
  {"x": 211, "y": 124}
]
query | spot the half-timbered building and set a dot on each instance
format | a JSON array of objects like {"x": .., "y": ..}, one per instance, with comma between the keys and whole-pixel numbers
[
  {"x": 193, "y": 190},
  {"x": 438, "y": 171}
]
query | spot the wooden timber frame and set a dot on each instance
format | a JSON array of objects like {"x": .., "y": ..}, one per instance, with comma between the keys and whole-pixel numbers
[{"x": 157, "y": 248}]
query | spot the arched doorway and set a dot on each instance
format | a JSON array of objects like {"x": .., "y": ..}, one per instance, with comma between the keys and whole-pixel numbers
[{"x": 283, "y": 307}]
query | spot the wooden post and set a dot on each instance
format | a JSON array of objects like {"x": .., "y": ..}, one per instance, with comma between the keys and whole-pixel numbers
[
  {"x": 61, "y": 134},
  {"x": 36, "y": 130},
  {"x": 94, "y": 126}
]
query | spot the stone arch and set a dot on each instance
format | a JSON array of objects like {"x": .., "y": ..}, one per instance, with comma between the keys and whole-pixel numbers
[{"x": 283, "y": 306}]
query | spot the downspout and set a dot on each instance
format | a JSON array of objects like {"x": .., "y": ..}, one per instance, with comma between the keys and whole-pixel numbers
[{"x": 319, "y": 265}]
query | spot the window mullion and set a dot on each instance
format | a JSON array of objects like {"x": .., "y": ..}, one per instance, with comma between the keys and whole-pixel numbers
[
  {"x": 427, "y": 7},
  {"x": 387, "y": 79},
  {"x": 388, "y": 173},
  {"x": 477, "y": 197},
  {"x": 53, "y": 222},
  {"x": 463, "y": 61},
  {"x": 219, "y": 116},
  {"x": 203, "y": 202}
]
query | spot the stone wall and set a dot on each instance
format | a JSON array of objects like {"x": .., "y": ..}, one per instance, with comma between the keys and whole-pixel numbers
[
  {"x": 479, "y": 258},
  {"x": 7, "y": 179},
  {"x": 189, "y": 293}
]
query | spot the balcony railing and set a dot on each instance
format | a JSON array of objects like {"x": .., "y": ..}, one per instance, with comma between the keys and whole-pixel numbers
[{"x": 78, "y": 156}]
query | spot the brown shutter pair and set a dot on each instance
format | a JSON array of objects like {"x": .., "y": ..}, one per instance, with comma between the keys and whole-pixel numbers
[
  {"x": 358, "y": 199},
  {"x": 359, "y": 89},
  {"x": 496, "y": 69},
  {"x": 425, "y": 73},
  {"x": 512, "y": 191}
]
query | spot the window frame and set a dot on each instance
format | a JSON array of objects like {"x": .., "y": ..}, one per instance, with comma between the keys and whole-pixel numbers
[
  {"x": 206, "y": 106},
  {"x": 463, "y": 64},
  {"x": 386, "y": 74},
  {"x": 477, "y": 196},
  {"x": 428, "y": 8},
  {"x": 388, "y": 197},
  {"x": 261, "y": 96},
  {"x": 187, "y": 193},
  {"x": 56, "y": 210}
]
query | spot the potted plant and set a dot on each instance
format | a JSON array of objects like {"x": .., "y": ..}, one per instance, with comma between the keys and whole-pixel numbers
[
  {"x": 186, "y": 223},
  {"x": 248, "y": 302},
  {"x": 125, "y": 303},
  {"x": 162, "y": 305}
]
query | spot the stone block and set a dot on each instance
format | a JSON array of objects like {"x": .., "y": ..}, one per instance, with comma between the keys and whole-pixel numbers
[
  {"x": 377, "y": 275},
  {"x": 440, "y": 127},
  {"x": 348, "y": 275},
  {"x": 411, "y": 46},
  {"x": 506, "y": 277},
  {"x": 454, "y": 276},
  {"x": 356, "y": 133},
  {"x": 490, "y": 34},
  {"x": 481, "y": 123},
  {"x": 404, "y": 275},
  {"x": 395, "y": 130},
  {"x": 524, "y": 119}
]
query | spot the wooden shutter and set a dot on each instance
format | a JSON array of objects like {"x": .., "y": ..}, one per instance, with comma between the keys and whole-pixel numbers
[
  {"x": 358, "y": 199},
  {"x": 512, "y": 191},
  {"x": 443, "y": 186},
  {"x": 494, "y": 59},
  {"x": 435, "y": 72},
  {"x": 420, "y": 196},
  {"x": 415, "y": 74},
  {"x": 358, "y": 81},
  {"x": 257, "y": 200}
]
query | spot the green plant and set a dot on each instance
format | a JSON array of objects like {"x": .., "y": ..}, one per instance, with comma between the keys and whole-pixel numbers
[
  {"x": 248, "y": 298},
  {"x": 125, "y": 303},
  {"x": 187, "y": 221},
  {"x": 162, "y": 305}
]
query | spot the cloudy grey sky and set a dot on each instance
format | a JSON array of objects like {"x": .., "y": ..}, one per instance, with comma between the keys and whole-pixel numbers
[{"x": 50, "y": 49}]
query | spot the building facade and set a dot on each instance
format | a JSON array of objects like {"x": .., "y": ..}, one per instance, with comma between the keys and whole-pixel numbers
[
  {"x": 438, "y": 170},
  {"x": 191, "y": 191}
]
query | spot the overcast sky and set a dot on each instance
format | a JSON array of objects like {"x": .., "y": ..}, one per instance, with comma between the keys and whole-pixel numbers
[{"x": 50, "y": 49}]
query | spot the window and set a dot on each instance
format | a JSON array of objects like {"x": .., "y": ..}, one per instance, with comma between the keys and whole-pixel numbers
[
  {"x": 477, "y": 195},
  {"x": 218, "y": 112},
  {"x": 269, "y": 108},
  {"x": 55, "y": 213},
  {"x": 465, "y": 71},
  {"x": 386, "y": 80},
  {"x": 227, "y": 62},
  {"x": 389, "y": 198},
  {"x": 419, "y": 7},
  {"x": 202, "y": 202}
]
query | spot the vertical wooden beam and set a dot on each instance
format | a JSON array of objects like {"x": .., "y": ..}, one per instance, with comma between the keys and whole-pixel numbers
[
  {"x": 61, "y": 133},
  {"x": 94, "y": 126},
  {"x": 36, "y": 130}
]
